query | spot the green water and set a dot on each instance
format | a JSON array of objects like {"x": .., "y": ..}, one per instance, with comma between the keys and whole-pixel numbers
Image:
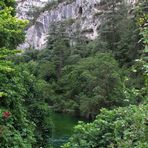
[{"x": 63, "y": 128}]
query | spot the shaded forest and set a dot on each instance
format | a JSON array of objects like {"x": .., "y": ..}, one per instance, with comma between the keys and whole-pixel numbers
[{"x": 104, "y": 81}]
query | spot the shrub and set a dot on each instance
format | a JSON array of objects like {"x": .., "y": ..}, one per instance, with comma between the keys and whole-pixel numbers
[{"x": 123, "y": 128}]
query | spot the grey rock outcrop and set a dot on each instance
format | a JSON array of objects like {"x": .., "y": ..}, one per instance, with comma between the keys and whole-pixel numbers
[{"x": 85, "y": 15}]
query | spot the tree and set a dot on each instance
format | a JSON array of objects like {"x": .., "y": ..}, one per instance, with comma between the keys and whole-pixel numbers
[
  {"x": 93, "y": 83},
  {"x": 122, "y": 127},
  {"x": 8, "y": 3},
  {"x": 15, "y": 129},
  {"x": 57, "y": 50},
  {"x": 11, "y": 29},
  {"x": 142, "y": 62},
  {"x": 120, "y": 33},
  {"x": 109, "y": 31}
]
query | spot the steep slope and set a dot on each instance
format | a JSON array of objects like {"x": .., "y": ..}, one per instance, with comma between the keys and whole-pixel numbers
[{"x": 83, "y": 15}]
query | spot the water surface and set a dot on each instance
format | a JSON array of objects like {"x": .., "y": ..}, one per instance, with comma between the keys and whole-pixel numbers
[{"x": 63, "y": 128}]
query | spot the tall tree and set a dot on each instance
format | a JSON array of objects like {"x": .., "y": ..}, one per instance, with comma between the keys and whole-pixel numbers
[
  {"x": 15, "y": 129},
  {"x": 92, "y": 83},
  {"x": 120, "y": 32},
  {"x": 58, "y": 48}
]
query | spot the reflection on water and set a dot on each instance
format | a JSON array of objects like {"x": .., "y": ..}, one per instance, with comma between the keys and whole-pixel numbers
[
  {"x": 63, "y": 128},
  {"x": 56, "y": 143}
]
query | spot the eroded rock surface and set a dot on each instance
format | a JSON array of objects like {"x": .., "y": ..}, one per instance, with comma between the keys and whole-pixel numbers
[{"x": 85, "y": 15}]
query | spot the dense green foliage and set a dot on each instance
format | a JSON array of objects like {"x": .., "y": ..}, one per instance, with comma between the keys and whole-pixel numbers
[
  {"x": 11, "y": 29},
  {"x": 37, "y": 109},
  {"x": 23, "y": 120},
  {"x": 8, "y": 4},
  {"x": 80, "y": 86},
  {"x": 76, "y": 76},
  {"x": 123, "y": 128},
  {"x": 143, "y": 61},
  {"x": 15, "y": 128},
  {"x": 91, "y": 84},
  {"x": 120, "y": 33},
  {"x": 85, "y": 76}
]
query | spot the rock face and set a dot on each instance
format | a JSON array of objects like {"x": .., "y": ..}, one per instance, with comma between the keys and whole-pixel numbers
[{"x": 85, "y": 15}]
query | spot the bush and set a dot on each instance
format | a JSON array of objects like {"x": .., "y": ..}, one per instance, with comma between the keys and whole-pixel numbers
[{"x": 123, "y": 128}]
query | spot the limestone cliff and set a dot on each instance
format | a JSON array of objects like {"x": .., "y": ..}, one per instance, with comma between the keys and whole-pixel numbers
[{"x": 85, "y": 15}]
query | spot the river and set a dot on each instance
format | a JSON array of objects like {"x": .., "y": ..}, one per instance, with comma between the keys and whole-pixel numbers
[{"x": 63, "y": 128}]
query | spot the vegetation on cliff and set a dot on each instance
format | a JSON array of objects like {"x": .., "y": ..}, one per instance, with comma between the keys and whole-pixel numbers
[{"x": 105, "y": 81}]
